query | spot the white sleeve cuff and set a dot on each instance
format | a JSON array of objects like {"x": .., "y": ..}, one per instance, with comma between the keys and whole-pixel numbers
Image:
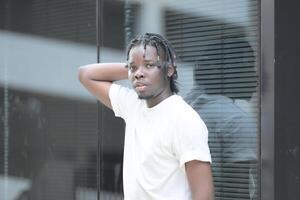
[{"x": 195, "y": 155}]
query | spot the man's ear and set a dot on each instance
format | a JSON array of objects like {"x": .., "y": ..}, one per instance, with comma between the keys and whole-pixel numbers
[{"x": 170, "y": 71}]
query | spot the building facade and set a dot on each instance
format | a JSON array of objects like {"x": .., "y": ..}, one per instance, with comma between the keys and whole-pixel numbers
[{"x": 237, "y": 66}]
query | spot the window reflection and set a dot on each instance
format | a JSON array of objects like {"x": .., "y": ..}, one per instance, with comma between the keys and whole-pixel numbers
[
  {"x": 224, "y": 94},
  {"x": 232, "y": 137}
]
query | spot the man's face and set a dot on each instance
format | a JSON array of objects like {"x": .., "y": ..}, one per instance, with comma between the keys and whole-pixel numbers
[{"x": 148, "y": 80}]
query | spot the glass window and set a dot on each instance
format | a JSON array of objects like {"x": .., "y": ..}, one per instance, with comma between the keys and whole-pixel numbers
[
  {"x": 58, "y": 143},
  {"x": 48, "y": 122},
  {"x": 217, "y": 43}
]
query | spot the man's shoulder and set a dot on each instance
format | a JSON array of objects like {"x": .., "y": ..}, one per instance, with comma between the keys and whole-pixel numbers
[
  {"x": 124, "y": 100},
  {"x": 183, "y": 111}
]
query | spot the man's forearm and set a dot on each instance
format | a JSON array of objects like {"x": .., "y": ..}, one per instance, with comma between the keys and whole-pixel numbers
[
  {"x": 97, "y": 78},
  {"x": 103, "y": 72}
]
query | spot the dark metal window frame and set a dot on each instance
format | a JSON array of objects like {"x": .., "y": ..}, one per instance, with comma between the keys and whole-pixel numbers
[{"x": 267, "y": 94}]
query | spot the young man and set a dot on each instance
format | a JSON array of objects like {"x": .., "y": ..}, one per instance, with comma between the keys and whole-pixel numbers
[{"x": 166, "y": 153}]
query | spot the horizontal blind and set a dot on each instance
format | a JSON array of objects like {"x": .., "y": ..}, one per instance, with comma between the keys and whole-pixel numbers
[
  {"x": 63, "y": 19},
  {"x": 223, "y": 55}
]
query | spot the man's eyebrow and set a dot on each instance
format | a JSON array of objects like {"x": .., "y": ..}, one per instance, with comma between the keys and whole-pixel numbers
[{"x": 149, "y": 61}]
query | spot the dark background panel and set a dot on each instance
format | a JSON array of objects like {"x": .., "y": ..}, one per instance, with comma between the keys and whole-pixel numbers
[{"x": 287, "y": 98}]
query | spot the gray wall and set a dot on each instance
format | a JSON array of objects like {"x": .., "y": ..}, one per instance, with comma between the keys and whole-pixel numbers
[{"x": 287, "y": 98}]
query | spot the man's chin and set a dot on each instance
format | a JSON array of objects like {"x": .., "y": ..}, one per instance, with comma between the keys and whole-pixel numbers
[{"x": 145, "y": 97}]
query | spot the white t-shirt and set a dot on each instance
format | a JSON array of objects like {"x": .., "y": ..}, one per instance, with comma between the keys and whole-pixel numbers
[{"x": 158, "y": 141}]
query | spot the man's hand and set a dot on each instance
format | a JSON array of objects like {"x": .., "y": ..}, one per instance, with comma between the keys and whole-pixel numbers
[{"x": 200, "y": 179}]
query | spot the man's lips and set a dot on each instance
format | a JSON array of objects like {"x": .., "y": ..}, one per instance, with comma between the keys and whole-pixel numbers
[{"x": 140, "y": 86}]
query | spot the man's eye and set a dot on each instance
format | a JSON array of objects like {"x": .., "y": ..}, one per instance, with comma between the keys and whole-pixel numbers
[
  {"x": 132, "y": 68},
  {"x": 150, "y": 65}
]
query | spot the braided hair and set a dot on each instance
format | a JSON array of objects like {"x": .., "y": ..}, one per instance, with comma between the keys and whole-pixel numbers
[{"x": 163, "y": 47}]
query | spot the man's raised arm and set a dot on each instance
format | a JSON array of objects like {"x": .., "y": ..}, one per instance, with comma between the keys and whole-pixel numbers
[{"x": 97, "y": 78}]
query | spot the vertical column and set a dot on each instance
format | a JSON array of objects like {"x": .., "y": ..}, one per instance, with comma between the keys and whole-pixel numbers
[
  {"x": 267, "y": 100},
  {"x": 151, "y": 17}
]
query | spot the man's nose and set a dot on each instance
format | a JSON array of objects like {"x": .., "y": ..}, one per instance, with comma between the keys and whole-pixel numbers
[{"x": 139, "y": 73}]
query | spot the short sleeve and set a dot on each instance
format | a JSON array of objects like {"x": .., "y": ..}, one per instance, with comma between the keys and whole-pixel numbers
[
  {"x": 121, "y": 99},
  {"x": 191, "y": 140}
]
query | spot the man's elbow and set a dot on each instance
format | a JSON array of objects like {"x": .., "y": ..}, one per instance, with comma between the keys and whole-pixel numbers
[{"x": 82, "y": 74}]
